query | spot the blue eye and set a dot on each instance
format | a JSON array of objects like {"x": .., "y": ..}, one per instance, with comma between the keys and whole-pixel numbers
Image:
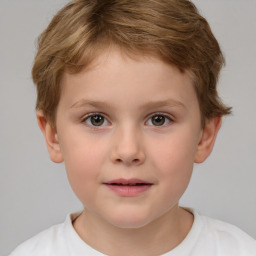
[
  {"x": 159, "y": 120},
  {"x": 96, "y": 120}
]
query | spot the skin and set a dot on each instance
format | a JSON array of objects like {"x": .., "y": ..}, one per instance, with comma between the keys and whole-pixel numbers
[{"x": 127, "y": 94}]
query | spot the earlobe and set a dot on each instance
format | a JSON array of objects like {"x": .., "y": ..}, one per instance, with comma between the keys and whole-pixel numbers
[
  {"x": 51, "y": 138},
  {"x": 207, "y": 139}
]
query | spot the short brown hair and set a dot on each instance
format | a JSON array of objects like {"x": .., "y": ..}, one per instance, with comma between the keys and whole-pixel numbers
[{"x": 171, "y": 29}]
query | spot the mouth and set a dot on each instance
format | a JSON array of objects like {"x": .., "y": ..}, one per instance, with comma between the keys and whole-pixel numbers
[
  {"x": 128, "y": 182},
  {"x": 128, "y": 187}
]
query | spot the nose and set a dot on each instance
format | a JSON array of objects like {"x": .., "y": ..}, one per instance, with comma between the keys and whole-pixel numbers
[{"x": 128, "y": 147}]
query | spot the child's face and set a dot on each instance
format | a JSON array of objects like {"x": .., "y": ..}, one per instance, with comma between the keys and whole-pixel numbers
[{"x": 129, "y": 132}]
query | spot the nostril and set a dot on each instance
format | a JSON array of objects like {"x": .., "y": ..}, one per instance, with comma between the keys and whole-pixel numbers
[{"x": 133, "y": 161}]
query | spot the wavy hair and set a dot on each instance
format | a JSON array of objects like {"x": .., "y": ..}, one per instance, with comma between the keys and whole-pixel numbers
[{"x": 171, "y": 29}]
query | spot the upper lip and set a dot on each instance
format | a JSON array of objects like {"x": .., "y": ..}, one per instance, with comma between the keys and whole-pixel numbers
[{"x": 128, "y": 182}]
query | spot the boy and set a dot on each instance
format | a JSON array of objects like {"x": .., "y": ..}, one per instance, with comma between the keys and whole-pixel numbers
[{"x": 127, "y": 100}]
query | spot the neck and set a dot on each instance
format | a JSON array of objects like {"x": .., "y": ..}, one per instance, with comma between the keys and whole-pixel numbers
[{"x": 158, "y": 237}]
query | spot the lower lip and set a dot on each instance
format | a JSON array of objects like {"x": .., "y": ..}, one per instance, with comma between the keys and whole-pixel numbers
[{"x": 129, "y": 191}]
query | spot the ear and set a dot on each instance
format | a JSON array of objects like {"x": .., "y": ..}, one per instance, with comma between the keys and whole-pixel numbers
[
  {"x": 207, "y": 139},
  {"x": 51, "y": 138}
]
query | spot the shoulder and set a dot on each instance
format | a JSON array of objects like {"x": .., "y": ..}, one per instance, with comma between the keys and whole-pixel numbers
[
  {"x": 44, "y": 243},
  {"x": 59, "y": 240},
  {"x": 227, "y": 238}
]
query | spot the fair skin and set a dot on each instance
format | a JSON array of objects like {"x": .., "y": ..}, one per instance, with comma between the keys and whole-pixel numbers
[{"x": 129, "y": 132}]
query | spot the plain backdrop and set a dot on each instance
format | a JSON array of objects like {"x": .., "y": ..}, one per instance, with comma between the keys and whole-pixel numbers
[{"x": 34, "y": 192}]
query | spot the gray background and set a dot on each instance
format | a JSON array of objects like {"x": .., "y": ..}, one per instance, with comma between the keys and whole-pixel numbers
[{"x": 34, "y": 193}]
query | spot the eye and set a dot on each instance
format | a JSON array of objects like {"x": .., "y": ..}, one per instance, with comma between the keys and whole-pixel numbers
[
  {"x": 95, "y": 120},
  {"x": 159, "y": 120}
]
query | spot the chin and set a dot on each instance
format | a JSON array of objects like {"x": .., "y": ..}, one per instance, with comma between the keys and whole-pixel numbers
[{"x": 130, "y": 221}]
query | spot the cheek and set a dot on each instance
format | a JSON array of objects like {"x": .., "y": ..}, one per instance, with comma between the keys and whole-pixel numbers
[
  {"x": 83, "y": 162},
  {"x": 173, "y": 157},
  {"x": 174, "y": 165}
]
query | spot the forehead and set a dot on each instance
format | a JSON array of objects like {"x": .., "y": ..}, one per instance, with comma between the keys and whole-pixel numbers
[{"x": 140, "y": 77}]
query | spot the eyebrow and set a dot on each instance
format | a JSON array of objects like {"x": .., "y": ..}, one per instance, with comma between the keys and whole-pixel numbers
[
  {"x": 152, "y": 104},
  {"x": 86, "y": 102},
  {"x": 164, "y": 103}
]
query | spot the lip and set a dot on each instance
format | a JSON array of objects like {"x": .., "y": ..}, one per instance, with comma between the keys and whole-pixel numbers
[{"x": 128, "y": 187}]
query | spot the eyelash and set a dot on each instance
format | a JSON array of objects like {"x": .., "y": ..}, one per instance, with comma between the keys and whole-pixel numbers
[
  {"x": 166, "y": 118},
  {"x": 87, "y": 117}
]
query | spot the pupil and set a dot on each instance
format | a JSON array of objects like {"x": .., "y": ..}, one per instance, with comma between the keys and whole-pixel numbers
[
  {"x": 97, "y": 120},
  {"x": 158, "y": 120}
]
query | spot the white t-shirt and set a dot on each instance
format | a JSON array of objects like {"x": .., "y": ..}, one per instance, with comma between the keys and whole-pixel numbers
[{"x": 207, "y": 237}]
